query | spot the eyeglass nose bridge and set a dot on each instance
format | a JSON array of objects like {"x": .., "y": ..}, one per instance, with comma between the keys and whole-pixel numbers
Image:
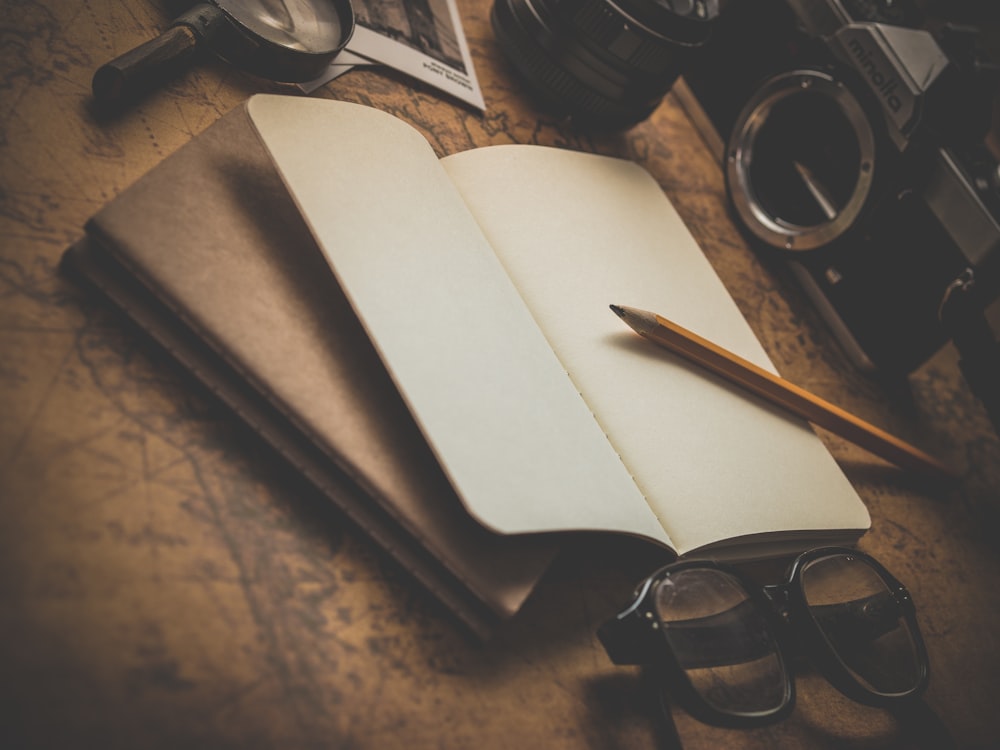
[{"x": 780, "y": 597}]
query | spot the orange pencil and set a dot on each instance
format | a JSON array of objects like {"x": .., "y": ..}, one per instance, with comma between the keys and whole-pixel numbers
[{"x": 779, "y": 391}]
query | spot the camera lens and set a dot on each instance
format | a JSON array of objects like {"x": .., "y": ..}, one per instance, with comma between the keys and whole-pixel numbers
[
  {"x": 602, "y": 62},
  {"x": 800, "y": 161}
]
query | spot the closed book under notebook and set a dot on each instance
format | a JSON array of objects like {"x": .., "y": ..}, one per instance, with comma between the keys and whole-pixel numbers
[{"x": 429, "y": 341}]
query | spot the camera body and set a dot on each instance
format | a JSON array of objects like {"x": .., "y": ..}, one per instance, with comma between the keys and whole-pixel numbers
[{"x": 852, "y": 142}]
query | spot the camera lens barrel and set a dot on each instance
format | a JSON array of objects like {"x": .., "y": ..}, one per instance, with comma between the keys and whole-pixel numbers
[{"x": 600, "y": 61}]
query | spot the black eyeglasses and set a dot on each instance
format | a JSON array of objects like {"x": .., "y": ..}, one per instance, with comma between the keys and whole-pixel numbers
[{"x": 719, "y": 642}]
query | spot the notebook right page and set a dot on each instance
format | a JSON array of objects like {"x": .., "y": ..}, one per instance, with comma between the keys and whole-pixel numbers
[{"x": 578, "y": 232}]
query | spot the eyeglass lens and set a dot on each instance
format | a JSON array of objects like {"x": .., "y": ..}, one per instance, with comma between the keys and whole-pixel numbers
[
  {"x": 858, "y": 614},
  {"x": 724, "y": 644}
]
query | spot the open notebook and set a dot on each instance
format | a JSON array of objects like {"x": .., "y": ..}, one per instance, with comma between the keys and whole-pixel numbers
[{"x": 483, "y": 281}]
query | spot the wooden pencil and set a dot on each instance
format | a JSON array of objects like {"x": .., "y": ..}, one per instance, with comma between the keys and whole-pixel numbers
[{"x": 780, "y": 392}]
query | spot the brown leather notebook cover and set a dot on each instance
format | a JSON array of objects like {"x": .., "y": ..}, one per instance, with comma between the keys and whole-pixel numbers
[{"x": 208, "y": 253}]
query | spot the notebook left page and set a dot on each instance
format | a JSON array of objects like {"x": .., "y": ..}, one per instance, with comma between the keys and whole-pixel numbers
[{"x": 496, "y": 406}]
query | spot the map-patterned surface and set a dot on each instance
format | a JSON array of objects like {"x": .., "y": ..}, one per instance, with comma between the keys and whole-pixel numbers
[{"x": 165, "y": 582}]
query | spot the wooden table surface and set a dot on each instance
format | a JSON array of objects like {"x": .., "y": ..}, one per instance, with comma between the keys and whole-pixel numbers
[{"x": 165, "y": 582}]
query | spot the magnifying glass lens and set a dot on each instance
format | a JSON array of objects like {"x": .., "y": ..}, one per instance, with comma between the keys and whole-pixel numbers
[{"x": 313, "y": 26}]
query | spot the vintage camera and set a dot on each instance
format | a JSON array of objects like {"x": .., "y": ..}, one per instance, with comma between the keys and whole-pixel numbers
[{"x": 851, "y": 135}]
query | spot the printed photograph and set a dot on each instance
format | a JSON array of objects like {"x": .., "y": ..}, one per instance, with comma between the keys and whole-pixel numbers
[{"x": 424, "y": 25}]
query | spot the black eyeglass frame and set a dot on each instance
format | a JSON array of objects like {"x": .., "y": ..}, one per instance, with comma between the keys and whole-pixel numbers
[{"x": 635, "y": 637}]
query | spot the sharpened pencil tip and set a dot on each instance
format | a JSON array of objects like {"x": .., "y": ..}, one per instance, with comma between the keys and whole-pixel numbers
[{"x": 640, "y": 321}]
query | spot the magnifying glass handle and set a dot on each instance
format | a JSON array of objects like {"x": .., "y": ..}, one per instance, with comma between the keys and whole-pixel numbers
[{"x": 152, "y": 62}]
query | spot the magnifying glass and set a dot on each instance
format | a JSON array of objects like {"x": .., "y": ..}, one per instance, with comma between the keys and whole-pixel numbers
[{"x": 291, "y": 41}]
